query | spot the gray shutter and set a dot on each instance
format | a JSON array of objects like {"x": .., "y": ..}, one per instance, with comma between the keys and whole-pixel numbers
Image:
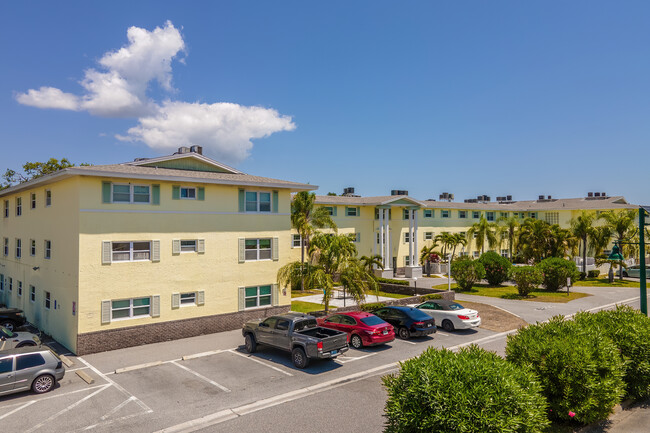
[
  {"x": 200, "y": 193},
  {"x": 155, "y": 306},
  {"x": 106, "y": 252},
  {"x": 275, "y": 202},
  {"x": 275, "y": 295},
  {"x": 176, "y": 192},
  {"x": 176, "y": 300},
  {"x": 200, "y": 245},
  {"x": 155, "y": 194},
  {"x": 242, "y": 250},
  {"x": 242, "y": 298},
  {"x": 106, "y": 192},
  {"x": 155, "y": 251},
  {"x": 334, "y": 210},
  {"x": 200, "y": 297},
  {"x": 106, "y": 312},
  {"x": 358, "y": 211},
  {"x": 274, "y": 248},
  {"x": 176, "y": 246},
  {"x": 242, "y": 201}
]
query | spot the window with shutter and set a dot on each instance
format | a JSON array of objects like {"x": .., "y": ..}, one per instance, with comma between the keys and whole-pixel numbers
[
  {"x": 155, "y": 251},
  {"x": 176, "y": 246},
  {"x": 176, "y": 300},
  {"x": 106, "y": 252},
  {"x": 200, "y": 298},
  {"x": 106, "y": 312},
  {"x": 155, "y": 306},
  {"x": 242, "y": 250}
]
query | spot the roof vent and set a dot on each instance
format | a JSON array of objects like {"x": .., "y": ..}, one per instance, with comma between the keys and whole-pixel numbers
[
  {"x": 182, "y": 150},
  {"x": 446, "y": 196},
  {"x": 590, "y": 194},
  {"x": 140, "y": 159},
  {"x": 349, "y": 192},
  {"x": 483, "y": 198},
  {"x": 196, "y": 149},
  {"x": 398, "y": 192}
]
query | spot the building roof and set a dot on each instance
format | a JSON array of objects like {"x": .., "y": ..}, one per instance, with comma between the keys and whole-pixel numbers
[{"x": 402, "y": 200}]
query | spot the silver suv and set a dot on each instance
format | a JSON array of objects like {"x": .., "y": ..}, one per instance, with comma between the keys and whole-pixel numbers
[{"x": 23, "y": 368}]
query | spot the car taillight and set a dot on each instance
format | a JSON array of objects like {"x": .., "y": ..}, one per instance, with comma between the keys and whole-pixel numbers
[
  {"x": 59, "y": 365},
  {"x": 463, "y": 317},
  {"x": 319, "y": 345},
  {"x": 419, "y": 324}
]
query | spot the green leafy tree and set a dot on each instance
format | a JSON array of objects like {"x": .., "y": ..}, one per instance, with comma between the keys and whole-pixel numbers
[
  {"x": 622, "y": 226},
  {"x": 599, "y": 239},
  {"x": 370, "y": 262},
  {"x": 539, "y": 240},
  {"x": 526, "y": 278},
  {"x": 456, "y": 240},
  {"x": 497, "y": 268},
  {"x": 582, "y": 228},
  {"x": 510, "y": 227},
  {"x": 556, "y": 271},
  {"x": 445, "y": 241},
  {"x": 467, "y": 272},
  {"x": 485, "y": 232},
  {"x": 34, "y": 170}
]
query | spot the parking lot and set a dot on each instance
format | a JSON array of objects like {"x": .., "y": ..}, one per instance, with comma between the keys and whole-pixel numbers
[{"x": 189, "y": 384}]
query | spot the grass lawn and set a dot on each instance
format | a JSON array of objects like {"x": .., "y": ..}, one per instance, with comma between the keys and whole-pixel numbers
[
  {"x": 299, "y": 293},
  {"x": 510, "y": 292},
  {"x": 372, "y": 295},
  {"x": 306, "y": 307},
  {"x": 604, "y": 282}
]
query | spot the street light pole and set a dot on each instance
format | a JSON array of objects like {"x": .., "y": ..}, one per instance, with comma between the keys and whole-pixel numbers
[
  {"x": 642, "y": 274},
  {"x": 449, "y": 272}
]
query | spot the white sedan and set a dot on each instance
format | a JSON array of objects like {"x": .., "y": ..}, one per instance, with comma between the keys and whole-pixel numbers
[{"x": 451, "y": 315}]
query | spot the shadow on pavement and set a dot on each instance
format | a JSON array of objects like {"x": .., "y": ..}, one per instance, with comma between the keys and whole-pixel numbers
[{"x": 277, "y": 356}]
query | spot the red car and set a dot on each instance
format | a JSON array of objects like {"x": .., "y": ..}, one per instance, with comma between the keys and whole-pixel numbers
[{"x": 364, "y": 329}]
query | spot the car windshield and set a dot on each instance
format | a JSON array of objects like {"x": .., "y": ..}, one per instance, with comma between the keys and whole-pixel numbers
[
  {"x": 305, "y": 324},
  {"x": 7, "y": 332},
  {"x": 372, "y": 320},
  {"x": 456, "y": 306}
]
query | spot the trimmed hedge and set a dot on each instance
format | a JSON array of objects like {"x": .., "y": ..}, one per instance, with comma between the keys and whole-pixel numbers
[
  {"x": 496, "y": 267},
  {"x": 629, "y": 329},
  {"x": 593, "y": 273},
  {"x": 467, "y": 272},
  {"x": 372, "y": 306},
  {"x": 472, "y": 390},
  {"x": 527, "y": 278},
  {"x": 555, "y": 272},
  {"x": 580, "y": 368},
  {"x": 431, "y": 296},
  {"x": 391, "y": 281}
]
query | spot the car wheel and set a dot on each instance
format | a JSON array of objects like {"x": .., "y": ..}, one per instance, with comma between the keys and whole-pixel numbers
[
  {"x": 447, "y": 325},
  {"x": 25, "y": 344},
  {"x": 356, "y": 341},
  {"x": 404, "y": 333},
  {"x": 9, "y": 325},
  {"x": 299, "y": 358},
  {"x": 43, "y": 383},
  {"x": 250, "y": 343}
]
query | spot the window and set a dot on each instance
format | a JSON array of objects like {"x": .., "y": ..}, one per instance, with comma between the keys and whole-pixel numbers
[
  {"x": 258, "y": 249},
  {"x": 463, "y": 254},
  {"x": 351, "y": 211},
  {"x": 2, "y": 283},
  {"x": 188, "y": 299},
  {"x": 6, "y": 365},
  {"x": 33, "y": 201},
  {"x": 29, "y": 360},
  {"x": 357, "y": 237},
  {"x": 258, "y": 201},
  {"x": 188, "y": 193},
  {"x": 405, "y": 214},
  {"x": 463, "y": 234},
  {"x": 19, "y": 248},
  {"x": 32, "y": 293},
  {"x": 6, "y": 247},
  {"x": 257, "y": 296},
  {"x": 444, "y": 213},
  {"x": 533, "y": 215},
  {"x": 489, "y": 216},
  {"x": 130, "y": 193},
  {"x": 20, "y": 288},
  {"x": 48, "y": 249},
  {"x": 552, "y": 217},
  {"x": 377, "y": 213},
  {"x": 48, "y": 198},
  {"x": 32, "y": 247},
  {"x": 131, "y": 251},
  {"x": 19, "y": 206},
  {"x": 6, "y": 209},
  {"x": 295, "y": 241},
  {"x": 462, "y": 214},
  {"x": 428, "y": 236},
  {"x": 407, "y": 237},
  {"x": 428, "y": 213},
  {"x": 407, "y": 261},
  {"x": 11, "y": 284},
  {"x": 504, "y": 214},
  {"x": 504, "y": 253},
  {"x": 476, "y": 214},
  {"x": 47, "y": 300},
  {"x": 130, "y": 308},
  {"x": 477, "y": 254},
  {"x": 330, "y": 210},
  {"x": 283, "y": 325},
  {"x": 188, "y": 246}
]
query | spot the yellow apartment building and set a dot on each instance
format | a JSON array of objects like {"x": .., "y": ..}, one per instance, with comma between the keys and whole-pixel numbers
[{"x": 102, "y": 257}]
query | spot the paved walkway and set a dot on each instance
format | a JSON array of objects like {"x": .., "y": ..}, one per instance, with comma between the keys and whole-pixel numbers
[{"x": 340, "y": 302}]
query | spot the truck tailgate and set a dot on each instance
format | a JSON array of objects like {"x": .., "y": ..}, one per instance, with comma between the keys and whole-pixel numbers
[{"x": 335, "y": 342}]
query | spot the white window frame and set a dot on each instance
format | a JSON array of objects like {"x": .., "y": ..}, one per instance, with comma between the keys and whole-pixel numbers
[
  {"x": 32, "y": 294},
  {"x": 462, "y": 214},
  {"x": 533, "y": 215},
  {"x": 357, "y": 237},
  {"x": 430, "y": 211},
  {"x": 19, "y": 206},
  {"x": 32, "y": 247},
  {"x": 476, "y": 214},
  {"x": 132, "y": 187},
  {"x": 490, "y": 216},
  {"x": 504, "y": 253},
  {"x": 258, "y": 296},
  {"x": 131, "y": 252},
  {"x": 330, "y": 210},
  {"x": 187, "y": 250},
  {"x": 6, "y": 209},
  {"x": 19, "y": 248},
  {"x": 48, "y": 300},
  {"x": 351, "y": 211},
  {"x": 407, "y": 261},
  {"x": 296, "y": 241},
  {"x": 476, "y": 254},
  {"x": 32, "y": 200},
  {"x": 191, "y": 296},
  {"x": 258, "y": 250},
  {"x": 407, "y": 237},
  {"x": 258, "y": 202},
  {"x": 47, "y": 250},
  {"x": 19, "y": 292},
  {"x": 5, "y": 248},
  {"x": 10, "y": 287},
  {"x": 445, "y": 213},
  {"x": 187, "y": 191},
  {"x": 428, "y": 236},
  {"x": 130, "y": 308},
  {"x": 504, "y": 214},
  {"x": 48, "y": 197}
]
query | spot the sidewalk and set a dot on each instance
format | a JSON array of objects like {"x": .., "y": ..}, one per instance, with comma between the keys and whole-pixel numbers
[{"x": 635, "y": 419}]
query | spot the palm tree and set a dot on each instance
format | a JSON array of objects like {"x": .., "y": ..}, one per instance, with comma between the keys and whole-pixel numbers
[
  {"x": 622, "y": 225},
  {"x": 305, "y": 218},
  {"x": 425, "y": 256},
  {"x": 599, "y": 239},
  {"x": 369, "y": 263},
  {"x": 444, "y": 239},
  {"x": 581, "y": 227},
  {"x": 456, "y": 240},
  {"x": 484, "y": 231},
  {"x": 510, "y": 226},
  {"x": 534, "y": 239}
]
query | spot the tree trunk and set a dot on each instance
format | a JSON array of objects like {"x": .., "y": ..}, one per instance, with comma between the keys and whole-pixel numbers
[
  {"x": 584, "y": 256},
  {"x": 302, "y": 264}
]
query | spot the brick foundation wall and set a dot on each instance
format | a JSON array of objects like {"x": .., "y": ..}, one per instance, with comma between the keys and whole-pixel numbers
[{"x": 112, "y": 339}]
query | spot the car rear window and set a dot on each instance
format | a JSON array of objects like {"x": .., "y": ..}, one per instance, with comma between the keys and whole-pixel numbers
[
  {"x": 29, "y": 361},
  {"x": 455, "y": 306},
  {"x": 372, "y": 320}
]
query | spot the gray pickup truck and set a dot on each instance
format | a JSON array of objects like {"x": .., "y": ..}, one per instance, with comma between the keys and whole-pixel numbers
[{"x": 296, "y": 333}]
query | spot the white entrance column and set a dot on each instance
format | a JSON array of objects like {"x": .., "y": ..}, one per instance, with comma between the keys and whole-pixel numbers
[
  {"x": 409, "y": 214},
  {"x": 416, "y": 252},
  {"x": 387, "y": 241},
  {"x": 382, "y": 250},
  {"x": 413, "y": 270}
]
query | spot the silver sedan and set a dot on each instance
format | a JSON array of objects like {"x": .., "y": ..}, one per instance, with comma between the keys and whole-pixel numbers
[{"x": 10, "y": 339}]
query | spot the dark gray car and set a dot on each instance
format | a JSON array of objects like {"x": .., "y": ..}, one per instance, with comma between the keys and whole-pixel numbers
[{"x": 35, "y": 368}]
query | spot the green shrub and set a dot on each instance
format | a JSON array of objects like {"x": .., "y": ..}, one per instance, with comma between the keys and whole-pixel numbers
[
  {"x": 391, "y": 281},
  {"x": 580, "y": 368},
  {"x": 472, "y": 390},
  {"x": 582, "y": 275},
  {"x": 431, "y": 296},
  {"x": 496, "y": 267},
  {"x": 372, "y": 306},
  {"x": 466, "y": 272},
  {"x": 527, "y": 278},
  {"x": 555, "y": 272},
  {"x": 629, "y": 329},
  {"x": 593, "y": 274}
]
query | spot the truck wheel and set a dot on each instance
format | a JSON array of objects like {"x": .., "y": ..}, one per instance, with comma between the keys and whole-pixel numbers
[
  {"x": 356, "y": 342},
  {"x": 250, "y": 343},
  {"x": 299, "y": 358},
  {"x": 404, "y": 333}
]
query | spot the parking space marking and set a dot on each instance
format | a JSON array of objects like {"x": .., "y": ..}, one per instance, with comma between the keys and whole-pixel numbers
[
  {"x": 260, "y": 362},
  {"x": 404, "y": 341},
  {"x": 200, "y": 376},
  {"x": 100, "y": 424},
  {"x": 29, "y": 403},
  {"x": 202, "y": 354},
  {"x": 138, "y": 367},
  {"x": 118, "y": 407},
  {"x": 442, "y": 334},
  {"x": 353, "y": 358}
]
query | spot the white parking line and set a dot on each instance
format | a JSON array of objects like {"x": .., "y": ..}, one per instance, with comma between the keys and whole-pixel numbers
[
  {"x": 503, "y": 309},
  {"x": 202, "y": 354},
  {"x": 118, "y": 407},
  {"x": 406, "y": 341},
  {"x": 200, "y": 376},
  {"x": 347, "y": 359},
  {"x": 260, "y": 362},
  {"x": 18, "y": 408},
  {"x": 101, "y": 424}
]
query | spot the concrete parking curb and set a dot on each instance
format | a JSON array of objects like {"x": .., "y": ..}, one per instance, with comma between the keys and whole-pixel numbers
[
  {"x": 85, "y": 377},
  {"x": 138, "y": 367},
  {"x": 68, "y": 363}
]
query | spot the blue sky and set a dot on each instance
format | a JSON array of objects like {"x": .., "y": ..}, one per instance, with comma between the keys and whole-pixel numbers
[{"x": 496, "y": 98}]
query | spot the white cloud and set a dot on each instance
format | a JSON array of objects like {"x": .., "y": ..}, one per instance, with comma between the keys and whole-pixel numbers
[{"x": 225, "y": 130}]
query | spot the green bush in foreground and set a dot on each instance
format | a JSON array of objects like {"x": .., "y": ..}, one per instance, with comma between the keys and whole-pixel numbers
[
  {"x": 629, "y": 329},
  {"x": 555, "y": 272},
  {"x": 472, "y": 390},
  {"x": 580, "y": 369},
  {"x": 527, "y": 278},
  {"x": 496, "y": 267},
  {"x": 467, "y": 272}
]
